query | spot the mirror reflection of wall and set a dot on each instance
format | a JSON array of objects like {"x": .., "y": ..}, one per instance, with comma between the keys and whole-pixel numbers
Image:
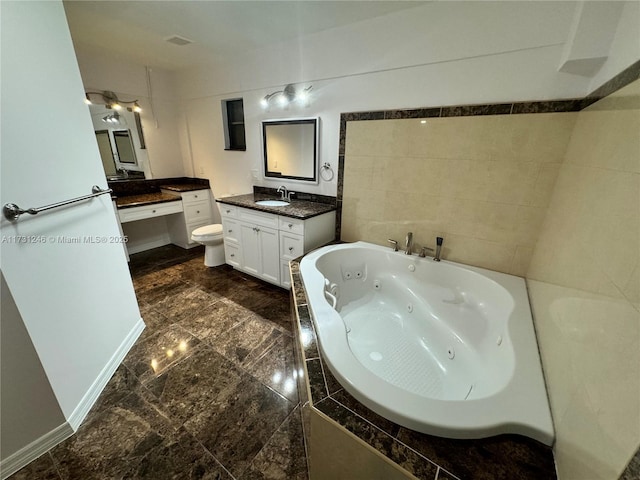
[
  {"x": 290, "y": 149},
  {"x": 104, "y": 146},
  {"x": 119, "y": 142}
]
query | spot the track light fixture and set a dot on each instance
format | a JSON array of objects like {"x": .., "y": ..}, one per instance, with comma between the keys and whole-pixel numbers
[
  {"x": 110, "y": 100},
  {"x": 112, "y": 118},
  {"x": 286, "y": 96}
]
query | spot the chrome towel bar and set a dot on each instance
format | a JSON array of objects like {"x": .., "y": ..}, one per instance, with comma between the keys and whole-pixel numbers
[{"x": 12, "y": 211}]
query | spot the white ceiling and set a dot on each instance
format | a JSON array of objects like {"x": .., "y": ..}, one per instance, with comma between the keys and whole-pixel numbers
[{"x": 137, "y": 30}]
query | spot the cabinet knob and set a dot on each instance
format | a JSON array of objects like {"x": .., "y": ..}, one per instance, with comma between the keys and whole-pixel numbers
[
  {"x": 228, "y": 211},
  {"x": 232, "y": 255},
  {"x": 153, "y": 211},
  {"x": 257, "y": 229},
  {"x": 197, "y": 211},
  {"x": 230, "y": 230},
  {"x": 291, "y": 225},
  {"x": 291, "y": 249},
  {"x": 195, "y": 196}
]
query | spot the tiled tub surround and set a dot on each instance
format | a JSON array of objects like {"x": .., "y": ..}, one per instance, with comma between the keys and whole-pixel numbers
[
  {"x": 219, "y": 401},
  {"x": 594, "y": 209},
  {"x": 328, "y": 407},
  {"x": 481, "y": 182},
  {"x": 584, "y": 285}
]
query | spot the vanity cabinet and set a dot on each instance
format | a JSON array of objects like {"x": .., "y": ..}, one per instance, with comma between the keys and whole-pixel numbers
[
  {"x": 196, "y": 212},
  {"x": 261, "y": 243}
]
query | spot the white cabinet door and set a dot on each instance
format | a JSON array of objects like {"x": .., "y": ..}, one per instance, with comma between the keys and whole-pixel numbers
[
  {"x": 250, "y": 247},
  {"x": 259, "y": 246},
  {"x": 270, "y": 259}
]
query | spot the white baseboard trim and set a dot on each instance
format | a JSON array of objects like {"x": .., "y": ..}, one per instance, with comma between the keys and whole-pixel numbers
[
  {"x": 80, "y": 412},
  {"x": 29, "y": 453}
]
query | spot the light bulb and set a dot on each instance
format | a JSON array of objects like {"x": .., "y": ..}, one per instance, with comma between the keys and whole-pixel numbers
[
  {"x": 116, "y": 106},
  {"x": 136, "y": 108},
  {"x": 87, "y": 100},
  {"x": 282, "y": 100},
  {"x": 264, "y": 102}
]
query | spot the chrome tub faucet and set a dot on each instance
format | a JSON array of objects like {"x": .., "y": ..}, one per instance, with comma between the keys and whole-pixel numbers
[
  {"x": 408, "y": 244},
  {"x": 439, "y": 241}
]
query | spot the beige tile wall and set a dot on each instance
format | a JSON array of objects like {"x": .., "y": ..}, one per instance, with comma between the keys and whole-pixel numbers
[
  {"x": 584, "y": 286},
  {"x": 483, "y": 183}
]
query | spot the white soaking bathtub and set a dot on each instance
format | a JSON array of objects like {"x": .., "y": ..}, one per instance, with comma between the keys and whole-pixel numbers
[{"x": 438, "y": 347}]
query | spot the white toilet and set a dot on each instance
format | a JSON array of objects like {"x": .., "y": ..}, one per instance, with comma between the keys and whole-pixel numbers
[{"x": 211, "y": 237}]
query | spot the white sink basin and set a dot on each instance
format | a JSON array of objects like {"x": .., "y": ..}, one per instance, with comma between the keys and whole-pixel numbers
[{"x": 272, "y": 203}]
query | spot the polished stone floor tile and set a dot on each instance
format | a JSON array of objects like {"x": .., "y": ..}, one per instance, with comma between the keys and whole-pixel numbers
[
  {"x": 122, "y": 383},
  {"x": 113, "y": 443},
  {"x": 278, "y": 311},
  {"x": 159, "y": 287},
  {"x": 275, "y": 367},
  {"x": 154, "y": 321},
  {"x": 152, "y": 356},
  {"x": 283, "y": 456},
  {"x": 199, "y": 395},
  {"x": 240, "y": 341},
  {"x": 228, "y": 411},
  {"x": 43, "y": 468},
  {"x": 184, "y": 304},
  {"x": 215, "y": 320}
]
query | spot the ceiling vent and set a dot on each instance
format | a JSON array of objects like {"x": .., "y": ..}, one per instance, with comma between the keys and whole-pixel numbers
[{"x": 178, "y": 40}]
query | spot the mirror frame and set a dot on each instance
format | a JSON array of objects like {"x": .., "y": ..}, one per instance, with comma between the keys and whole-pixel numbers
[{"x": 315, "y": 121}]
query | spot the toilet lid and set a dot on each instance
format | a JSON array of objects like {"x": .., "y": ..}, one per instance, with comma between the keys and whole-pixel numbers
[{"x": 215, "y": 229}]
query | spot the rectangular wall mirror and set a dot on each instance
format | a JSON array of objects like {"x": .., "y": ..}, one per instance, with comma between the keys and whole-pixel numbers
[
  {"x": 291, "y": 149},
  {"x": 120, "y": 142}
]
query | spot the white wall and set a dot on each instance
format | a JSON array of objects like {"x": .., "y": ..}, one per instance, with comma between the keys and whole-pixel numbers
[
  {"x": 28, "y": 406},
  {"x": 625, "y": 48},
  {"x": 440, "y": 53},
  {"x": 76, "y": 299},
  {"x": 160, "y": 111}
]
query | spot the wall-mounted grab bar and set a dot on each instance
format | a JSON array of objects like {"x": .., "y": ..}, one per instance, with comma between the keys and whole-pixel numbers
[{"x": 12, "y": 211}]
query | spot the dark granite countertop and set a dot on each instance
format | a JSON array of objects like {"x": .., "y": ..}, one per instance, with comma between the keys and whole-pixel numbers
[
  {"x": 130, "y": 201},
  {"x": 127, "y": 188},
  {"x": 184, "y": 187},
  {"x": 300, "y": 209}
]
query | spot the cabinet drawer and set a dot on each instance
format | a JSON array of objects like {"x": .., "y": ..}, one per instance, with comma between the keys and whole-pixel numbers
[
  {"x": 232, "y": 254},
  {"x": 228, "y": 210},
  {"x": 287, "y": 224},
  {"x": 258, "y": 218},
  {"x": 195, "y": 196},
  {"x": 231, "y": 230},
  {"x": 149, "y": 211},
  {"x": 291, "y": 246},
  {"x": 197, "y": 212}
]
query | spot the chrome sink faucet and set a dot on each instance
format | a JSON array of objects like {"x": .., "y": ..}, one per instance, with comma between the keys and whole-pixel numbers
[
  {"x": 408, "y": 244},
  {"x": 282, "y": 190}
]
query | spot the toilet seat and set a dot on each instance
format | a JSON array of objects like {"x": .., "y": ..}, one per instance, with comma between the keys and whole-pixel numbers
[{"x": 207, "y": 233}]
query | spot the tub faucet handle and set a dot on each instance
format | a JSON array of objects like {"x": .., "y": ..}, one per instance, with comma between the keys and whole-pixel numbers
[
  {"x": 423, "y": 252},
  {"x": 394, "y": 243}
]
